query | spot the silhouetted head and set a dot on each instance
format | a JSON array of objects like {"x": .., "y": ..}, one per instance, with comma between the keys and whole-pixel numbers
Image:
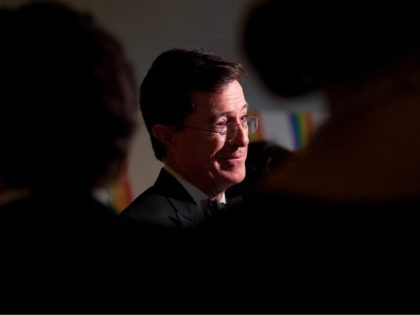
[
  {"x": 301, "y": 46},
  {"x": 67, "y": 100}
]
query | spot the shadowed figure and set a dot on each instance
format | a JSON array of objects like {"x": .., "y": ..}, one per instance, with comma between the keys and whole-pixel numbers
[
  {"x": 67, "y": 115},
  {"x": 337, "y": 232}
]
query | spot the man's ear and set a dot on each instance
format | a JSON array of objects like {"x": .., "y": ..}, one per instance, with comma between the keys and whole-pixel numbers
[{"x": 165, "y": 134}]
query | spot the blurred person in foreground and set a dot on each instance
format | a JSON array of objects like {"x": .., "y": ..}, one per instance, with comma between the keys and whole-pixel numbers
[
  {"x": 67, "y": 114},
  {"x": 196, "y": 114},
  {"x": 338, "y": 231}
]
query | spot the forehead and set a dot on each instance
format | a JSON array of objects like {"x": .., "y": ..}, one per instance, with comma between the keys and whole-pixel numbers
[{"x": 229, "y": 98}]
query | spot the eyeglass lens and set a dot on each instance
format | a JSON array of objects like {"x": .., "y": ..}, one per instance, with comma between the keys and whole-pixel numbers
[{"x": 232, "y": 128}]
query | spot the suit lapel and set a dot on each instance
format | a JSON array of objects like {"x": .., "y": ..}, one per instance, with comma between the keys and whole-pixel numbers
[
  {"x": 186, "y": 211},
  {"x": 186, "y": 214}
]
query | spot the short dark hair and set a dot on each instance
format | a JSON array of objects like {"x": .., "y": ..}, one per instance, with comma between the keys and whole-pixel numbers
[
  {"x": 301, "y": 46},
  {"x": 165, "y": 93},
  {"x": 68, "y": 99}
]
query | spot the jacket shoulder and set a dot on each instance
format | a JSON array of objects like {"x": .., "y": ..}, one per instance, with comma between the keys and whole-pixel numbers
[{"x": 150, "y": 207}]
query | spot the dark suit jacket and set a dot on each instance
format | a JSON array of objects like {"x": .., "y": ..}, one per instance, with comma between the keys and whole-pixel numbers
[{"x": 166, "y": 203}]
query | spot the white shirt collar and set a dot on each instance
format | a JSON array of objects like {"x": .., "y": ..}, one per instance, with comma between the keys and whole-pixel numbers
[
  {"x": 102, "y": 195},
  {"x": 195, "y": 193}
]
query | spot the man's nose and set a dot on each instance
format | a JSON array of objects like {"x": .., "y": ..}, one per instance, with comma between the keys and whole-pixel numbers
[{"x": 241, "y": 137}]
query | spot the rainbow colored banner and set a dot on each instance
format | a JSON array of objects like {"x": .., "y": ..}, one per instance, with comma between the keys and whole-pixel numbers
[
  {"x": 292, "y": 130},
  {"x": 120, "y": 193},
  {"x": 302, "y": 128}
]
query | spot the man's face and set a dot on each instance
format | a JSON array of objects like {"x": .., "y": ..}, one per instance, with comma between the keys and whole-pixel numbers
[{"x": 204, "y": 158}]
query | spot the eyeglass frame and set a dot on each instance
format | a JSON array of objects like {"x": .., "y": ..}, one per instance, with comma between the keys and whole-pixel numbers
[{"x": 243, "y": 124}]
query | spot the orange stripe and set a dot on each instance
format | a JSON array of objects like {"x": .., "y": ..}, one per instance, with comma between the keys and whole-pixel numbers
[
  {"x": 258, "y": 134},
  {"x": 120, "y": 191}
]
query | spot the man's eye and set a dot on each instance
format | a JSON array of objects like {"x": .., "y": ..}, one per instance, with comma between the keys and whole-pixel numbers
[{"x": 221, "y": 124}]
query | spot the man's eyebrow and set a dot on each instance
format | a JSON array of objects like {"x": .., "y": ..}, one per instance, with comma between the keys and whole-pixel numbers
[{"x": 220, "y": 114}]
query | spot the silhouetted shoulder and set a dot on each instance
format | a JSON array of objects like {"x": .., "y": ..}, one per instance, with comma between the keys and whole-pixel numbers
[{"x": 273, "y": 252}]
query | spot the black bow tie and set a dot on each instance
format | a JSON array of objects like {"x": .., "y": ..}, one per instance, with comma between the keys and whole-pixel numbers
[{"x": 211, "y": 207}]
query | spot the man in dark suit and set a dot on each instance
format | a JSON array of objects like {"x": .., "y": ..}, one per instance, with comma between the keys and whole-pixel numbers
[
  {"x": 196, "y": 114},
  {"x": 67, "y": 114}
]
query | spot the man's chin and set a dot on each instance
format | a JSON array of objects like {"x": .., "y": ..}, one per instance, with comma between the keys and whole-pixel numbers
[
  {"x": 232, "y": 165},
  {"x": 234, "y": 179}
]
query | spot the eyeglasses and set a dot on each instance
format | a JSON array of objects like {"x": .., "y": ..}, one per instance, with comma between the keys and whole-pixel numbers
[{"x": 229, "y": 131}]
